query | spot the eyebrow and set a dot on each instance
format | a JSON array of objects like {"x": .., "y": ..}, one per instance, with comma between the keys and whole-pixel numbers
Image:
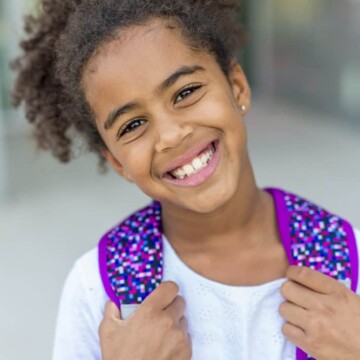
[
  {"x": 168, "y": 82},
  {"x": 114, "y": 115}
]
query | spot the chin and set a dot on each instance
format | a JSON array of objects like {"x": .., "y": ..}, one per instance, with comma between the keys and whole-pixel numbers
[{"x": 206, "y": 203}]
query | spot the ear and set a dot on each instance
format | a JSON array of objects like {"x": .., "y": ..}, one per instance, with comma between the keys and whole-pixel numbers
[
  {"x": 117, "y": 166},
  {"x": 240, "y": 86}
]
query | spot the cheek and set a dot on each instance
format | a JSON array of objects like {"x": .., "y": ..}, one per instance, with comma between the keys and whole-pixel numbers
[
  {"x": 228, "y": 119},
  {"x": 136, "y": 160},
  {"x": 220, "y": 111}
]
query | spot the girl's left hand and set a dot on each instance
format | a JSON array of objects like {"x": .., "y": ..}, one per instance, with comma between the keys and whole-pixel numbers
[{"x": 322, "y": 315}]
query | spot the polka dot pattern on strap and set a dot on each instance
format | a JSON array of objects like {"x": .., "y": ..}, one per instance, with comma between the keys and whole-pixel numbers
[
  {"x": 318, "y": 238},
  {"x": 134, "y": 255}
]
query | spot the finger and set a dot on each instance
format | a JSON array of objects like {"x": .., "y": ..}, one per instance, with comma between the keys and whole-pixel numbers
[
  {"x": 184, "y": 325},
  {"x": 162, "y": 296},
  {"x": 294, "y": 314},
  {"x": 294, "y": 334},
  {"x": 112, "y": 311},
  {"x": 298, "y": 294},
  {"x": 312, "y": 279},
  {"x": 176, "y": 308}
]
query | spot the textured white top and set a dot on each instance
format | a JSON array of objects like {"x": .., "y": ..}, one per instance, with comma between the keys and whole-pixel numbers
[{"x": 225, "y": 322}]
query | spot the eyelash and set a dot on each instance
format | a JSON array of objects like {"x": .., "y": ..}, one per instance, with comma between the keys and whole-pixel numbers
[
  {"x": 193, "y": 88},
  {"x": 127, "y": 127}
]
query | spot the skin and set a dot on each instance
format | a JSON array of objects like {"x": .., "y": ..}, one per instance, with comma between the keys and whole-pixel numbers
[
  {"x": 142, "y": 336},
  {"x": 321, "y": 315},
  {"x": 228, "y": 206}
]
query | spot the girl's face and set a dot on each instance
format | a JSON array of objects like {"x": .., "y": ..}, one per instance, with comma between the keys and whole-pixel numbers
[{"x": 170, "y": 118}]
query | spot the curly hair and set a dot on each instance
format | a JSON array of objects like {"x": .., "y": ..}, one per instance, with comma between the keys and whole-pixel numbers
[{"x": 63, "y": 36}]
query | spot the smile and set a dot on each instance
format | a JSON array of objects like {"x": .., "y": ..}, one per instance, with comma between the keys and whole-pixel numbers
[
  {"x": 196, "y": 170},
  {"x": 196, "y": 165}
]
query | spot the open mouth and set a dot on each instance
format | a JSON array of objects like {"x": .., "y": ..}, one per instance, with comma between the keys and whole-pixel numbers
[{"x": 196, "y": 165}]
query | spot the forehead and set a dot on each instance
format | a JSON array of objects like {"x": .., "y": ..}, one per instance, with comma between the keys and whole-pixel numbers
[{"x": 141, "y": 55}]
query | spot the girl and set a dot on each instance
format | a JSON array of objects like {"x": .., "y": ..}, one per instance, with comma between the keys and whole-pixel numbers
[{"x": 205, "y": 271}]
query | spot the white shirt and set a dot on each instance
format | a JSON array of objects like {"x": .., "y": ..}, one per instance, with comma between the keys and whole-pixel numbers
[{"x": 225, "y": 322}]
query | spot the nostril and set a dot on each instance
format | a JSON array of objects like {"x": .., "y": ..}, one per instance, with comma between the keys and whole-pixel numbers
[{"x": 172, "y": 139}]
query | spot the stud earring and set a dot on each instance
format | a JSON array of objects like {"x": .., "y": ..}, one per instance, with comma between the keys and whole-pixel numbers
[{"x": 243, "y": 107}]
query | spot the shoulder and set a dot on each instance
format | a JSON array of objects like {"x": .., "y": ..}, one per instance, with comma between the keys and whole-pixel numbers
[
  {"x": 87, "y": 264},
  {"x": 357, "y": 242},
  {"x": 357, "y": 234},
  {"x": 85, "y": 269},
  {"x": 85, "y": 274},
  {"x": 83, "y": 284},
  {"x": 357, "y": 239}
]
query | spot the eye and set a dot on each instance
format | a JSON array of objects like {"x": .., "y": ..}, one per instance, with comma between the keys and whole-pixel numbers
[
  {"x": 130, "y": 126},
  {"x": 183, "y": 94}
]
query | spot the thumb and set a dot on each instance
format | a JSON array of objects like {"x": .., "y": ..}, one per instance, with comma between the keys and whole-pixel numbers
[
  {"x": 112, "y": 311},
  {"x": 162, "y": 296}
]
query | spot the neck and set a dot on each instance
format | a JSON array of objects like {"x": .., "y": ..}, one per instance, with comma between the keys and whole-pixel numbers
[{"x": 240, "y": 222}]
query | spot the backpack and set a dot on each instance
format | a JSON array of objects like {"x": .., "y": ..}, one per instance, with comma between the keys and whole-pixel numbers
[{"x": 131, "y": 253}]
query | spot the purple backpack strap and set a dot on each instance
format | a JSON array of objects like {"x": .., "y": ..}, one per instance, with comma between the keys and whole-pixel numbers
[
  {"x": 131, "y": 257},
  {"x": 315, "y": 238},
  {"x": 131, "y": 254}
]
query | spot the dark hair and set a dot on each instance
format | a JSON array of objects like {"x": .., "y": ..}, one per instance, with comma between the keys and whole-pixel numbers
[{"x": 65, "y": 34}]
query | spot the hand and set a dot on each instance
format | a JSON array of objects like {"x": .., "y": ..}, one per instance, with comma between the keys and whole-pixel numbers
[
  {"x": 322, "y": 316},
  {"x": 157, "y": 330}
]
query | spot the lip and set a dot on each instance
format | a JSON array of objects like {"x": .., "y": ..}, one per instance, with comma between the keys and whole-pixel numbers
[
  {"x": 201, "y": 176},
  {"x": 188, "y": 156}
]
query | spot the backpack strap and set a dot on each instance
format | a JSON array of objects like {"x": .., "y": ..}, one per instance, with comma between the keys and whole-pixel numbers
[
  {"x": 315, "y": 238},
  {"x": 131, "y": 254},
  {"x": 131, "y": 257}
]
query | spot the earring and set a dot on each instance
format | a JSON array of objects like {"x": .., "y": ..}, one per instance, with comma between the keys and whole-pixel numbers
[{"x": 243, "y": 107}]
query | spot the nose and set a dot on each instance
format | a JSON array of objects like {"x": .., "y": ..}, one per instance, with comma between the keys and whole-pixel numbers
[{"x": 172, "y": 131}]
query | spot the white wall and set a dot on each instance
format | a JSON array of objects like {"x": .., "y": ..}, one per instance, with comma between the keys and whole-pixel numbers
[
  {"x": 11, "y": 122},
  {"x": 3, "y": 161}
]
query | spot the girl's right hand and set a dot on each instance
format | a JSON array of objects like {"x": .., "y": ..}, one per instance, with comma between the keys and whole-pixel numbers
[{"x": 157, "y": 330}]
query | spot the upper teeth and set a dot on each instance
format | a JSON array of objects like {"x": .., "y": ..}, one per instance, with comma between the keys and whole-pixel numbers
[{"x": 195, "y": 166}]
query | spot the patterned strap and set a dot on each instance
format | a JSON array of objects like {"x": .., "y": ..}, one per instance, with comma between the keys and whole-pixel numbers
[
  {"x": 315, "y": 238},
  {"x": 131, "y": 257},
  {"x": 131, "y": 254}
]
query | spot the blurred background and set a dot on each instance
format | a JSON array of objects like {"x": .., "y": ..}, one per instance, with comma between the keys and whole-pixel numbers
[{"x": 303, "y": 62}]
